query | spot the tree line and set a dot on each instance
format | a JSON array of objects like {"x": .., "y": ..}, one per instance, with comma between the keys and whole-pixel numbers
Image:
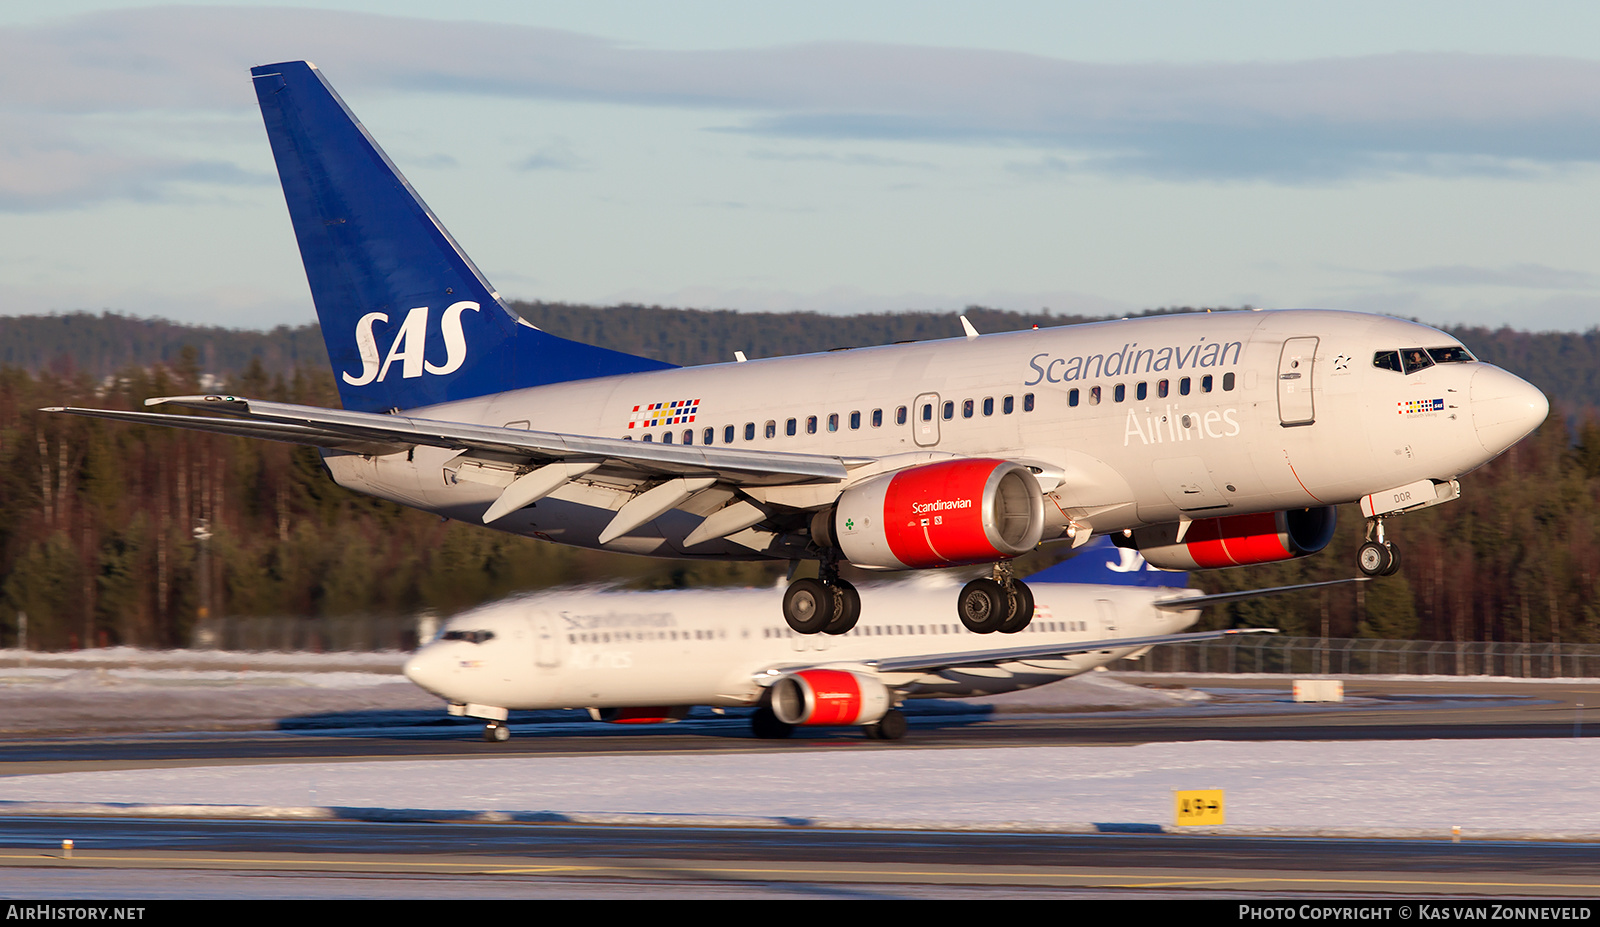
[{"x": 98, "y": 520}]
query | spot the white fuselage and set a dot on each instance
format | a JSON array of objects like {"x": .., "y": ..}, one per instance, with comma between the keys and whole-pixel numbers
[
  {"x": 1128, "y": 423},
  {"x": 588, "y": 649}
]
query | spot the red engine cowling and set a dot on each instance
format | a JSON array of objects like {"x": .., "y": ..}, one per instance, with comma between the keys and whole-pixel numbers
[
  {"x": 971, "y": 510},
  {"x": 1237, "y": 540},
  {"x": 640, "y": 715},
  {"x": 823, "y": 696}
]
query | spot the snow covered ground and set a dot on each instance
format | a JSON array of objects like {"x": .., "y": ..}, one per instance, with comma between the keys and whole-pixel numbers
[{"x": 1490, "y": 788}]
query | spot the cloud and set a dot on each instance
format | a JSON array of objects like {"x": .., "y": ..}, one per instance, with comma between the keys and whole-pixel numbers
[
  {"x": 1305, "y": 122},
  {"x": 556, "y": 156},
  {"x": 1518, "y": 276},
  {"x": 44, "y": 167}
]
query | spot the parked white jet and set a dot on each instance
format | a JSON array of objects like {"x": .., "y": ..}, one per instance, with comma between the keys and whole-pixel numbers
[
  {"x": 637, "y": 657},
  {"x": 1201, "y": 440}
]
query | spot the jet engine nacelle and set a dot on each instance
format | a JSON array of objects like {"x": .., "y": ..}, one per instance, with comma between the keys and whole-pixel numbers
[
  {"x": 1236, "y": 540},
  {"x": 970, "y": 510},
  {"x": 821, "y": 696},
  {"x": 640, "y": 715}
]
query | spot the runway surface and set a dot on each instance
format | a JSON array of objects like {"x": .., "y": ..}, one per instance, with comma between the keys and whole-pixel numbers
[
  {"x": 1251, "y": 709},
  {"x": 383, "y": 859}
]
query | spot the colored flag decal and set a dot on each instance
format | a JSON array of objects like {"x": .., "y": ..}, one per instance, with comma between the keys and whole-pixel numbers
[
  {"x": 1413, "y": 406},
  {"x": 656, "y": 414}
]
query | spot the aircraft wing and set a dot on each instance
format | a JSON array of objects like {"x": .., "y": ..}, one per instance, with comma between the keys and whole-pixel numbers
[
  {"x": 1184, "y": 603},
  {"x": 939, "y": 661},
  {"x": 374, "y": 433}
]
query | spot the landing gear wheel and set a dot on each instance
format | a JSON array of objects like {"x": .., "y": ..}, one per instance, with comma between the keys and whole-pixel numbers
[
  {"x": 765, "y": 725},
  {"x": 496, "y": 732},
  {"x": 808, "y": 606},
  {"x": 1019, "y": 603},
  {"x": 1378, "y": 558},
  {"x": 1394, "y": 559},
  {"x": 846, "y": 608},
  {"x": 892, "y": 726},
  {"x": 982, "y": 606}
]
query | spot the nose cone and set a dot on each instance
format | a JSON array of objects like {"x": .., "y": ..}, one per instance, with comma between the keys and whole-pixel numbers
[
  {"x": 426, "y": 668},
  {"x": 1504, "y": 408}
]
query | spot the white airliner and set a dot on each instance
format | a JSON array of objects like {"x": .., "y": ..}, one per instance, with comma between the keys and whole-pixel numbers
[
  {"x": 1201, "y": 440},
  {"x": 639, "y": 657}
]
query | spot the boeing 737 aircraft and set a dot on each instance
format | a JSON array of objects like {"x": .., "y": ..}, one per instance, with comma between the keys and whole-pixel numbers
[
  {"x": 1200, "y": 440},
  {"x": 640, "y": 657}
]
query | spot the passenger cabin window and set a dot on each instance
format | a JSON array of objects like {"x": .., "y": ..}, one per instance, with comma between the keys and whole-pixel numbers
[
  {"x": 1142, "y": 391},
  {"x": 1094, "y": 395},
  {"x": 1072, "y": 398},
  {"x": 1227, "y": 381},
  {"x": 1027, "y": 402},
  {"x": 791, "y": 427},
  {"x": 1008, "y": 405},
  {"x": 833, "y": 421},
  {"x": 949, "y": 410},
  {"x": 967, "y": 409},
  {"x": 710, "y": 436},
  {"x": 1119, "y": 392},
  {"x": 727, "y": 433},
  {"x": 772, "y": 428},
  {"x": 900, "y": 416},
  {"x": 1183, "y": 386},
  {"x": 666, "y": 437},
  {"x": 811, "y": 424},
  {"x": 877, "y": 418},
  {"x": 1161, "y": 389},
  {"x": 1205, "y": 383},
  {"x": 988, "y": 405},
  {"x": 749, "y": 431},
  {"x": 688, "y": 435}
]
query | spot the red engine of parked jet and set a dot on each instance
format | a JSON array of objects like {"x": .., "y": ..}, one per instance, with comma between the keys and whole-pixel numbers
[
  {"x": 640, "y": 715},
  {"x": 1237, "y": 540},
  {"x": 823, "y": 696},
  {"x": 941, "y": 514}
]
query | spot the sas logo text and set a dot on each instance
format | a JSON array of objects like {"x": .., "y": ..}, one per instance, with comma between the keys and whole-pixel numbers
[{"x": 410, "y": 345}]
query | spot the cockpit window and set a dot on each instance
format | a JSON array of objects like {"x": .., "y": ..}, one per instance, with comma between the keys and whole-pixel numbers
[
  {"x": 475, "y": 637},
  {"x": 1454, "y": 354},
  {"x": 1415, "y": 359},
  {"x": 1387, "y": 360}
]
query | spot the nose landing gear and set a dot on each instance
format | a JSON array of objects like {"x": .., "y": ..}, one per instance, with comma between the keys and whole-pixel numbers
[{"x": 1377, "y": 556}]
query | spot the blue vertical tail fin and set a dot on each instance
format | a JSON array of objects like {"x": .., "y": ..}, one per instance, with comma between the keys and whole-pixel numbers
[
  {"x": 1102, "y": 563},
  {"x": 408, "y": 318}
]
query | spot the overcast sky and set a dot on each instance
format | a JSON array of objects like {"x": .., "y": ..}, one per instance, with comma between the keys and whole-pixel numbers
[{"x": 1433, "y": 160}]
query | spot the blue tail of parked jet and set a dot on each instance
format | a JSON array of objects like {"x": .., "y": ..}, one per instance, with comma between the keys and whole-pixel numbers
[
  {"x": 1103, "y": 563},
  {"x": 408, "y": 319}
]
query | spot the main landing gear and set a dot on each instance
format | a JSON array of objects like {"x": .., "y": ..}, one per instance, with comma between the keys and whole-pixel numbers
[
  {"x": 1377, "y": 556},
  {"x": 1003, "y": 604},
  {"x": 496, "y": 732},
  {"x": 828, "y": 605}
]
